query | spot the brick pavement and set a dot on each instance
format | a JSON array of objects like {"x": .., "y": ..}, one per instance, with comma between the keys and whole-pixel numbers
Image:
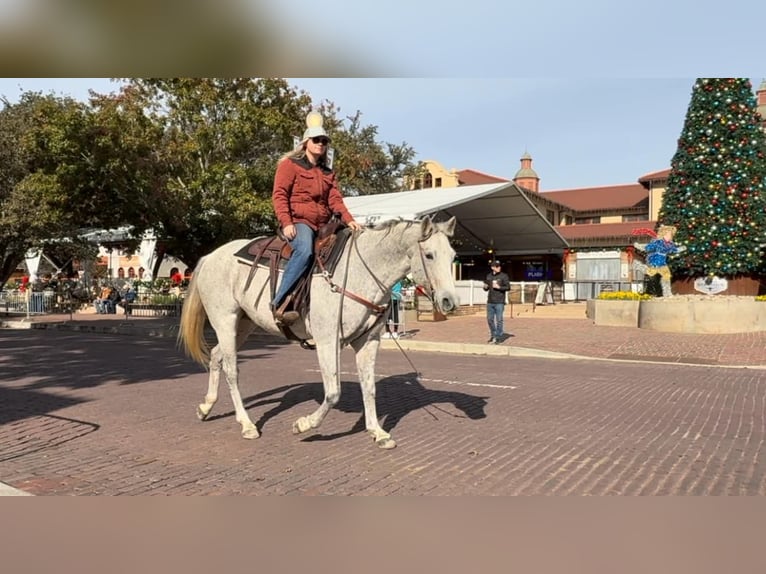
[
  {"x": 119, "y": 419},
  {"x": 560, "y": 331}
]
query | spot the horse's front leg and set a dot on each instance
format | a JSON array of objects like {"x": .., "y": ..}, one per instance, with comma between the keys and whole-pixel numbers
[
  {"x": 366, "y": 351},
  {"x": 329, "y": 366}
]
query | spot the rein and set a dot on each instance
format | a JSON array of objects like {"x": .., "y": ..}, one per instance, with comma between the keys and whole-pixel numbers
[
  {"x": 335, "y": 288},
  {"x": 377, "y": 309}
]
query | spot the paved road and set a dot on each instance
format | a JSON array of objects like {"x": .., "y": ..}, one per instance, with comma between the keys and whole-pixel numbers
[{"x": 86, "y": 414}]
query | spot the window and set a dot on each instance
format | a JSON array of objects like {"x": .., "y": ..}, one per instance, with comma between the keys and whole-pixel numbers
[
  {"x": 131, "y": 272},
  {"x": 438, "y": 182},
  {"x": 637, "y": 217},
  {"x": 141, "y": 271},
  {"x": 428, "y": 181},
  {"x": 584, "y": 220},
  {"x": 550, "y": 215}
]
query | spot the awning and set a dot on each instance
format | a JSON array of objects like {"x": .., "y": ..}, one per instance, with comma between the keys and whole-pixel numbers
[{"x": 497, "y": 215}]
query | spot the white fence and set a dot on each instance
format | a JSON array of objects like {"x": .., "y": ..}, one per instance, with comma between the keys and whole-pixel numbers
[
  {"x": 471, "y": 292},
  {"x": 27, "y": 303}
]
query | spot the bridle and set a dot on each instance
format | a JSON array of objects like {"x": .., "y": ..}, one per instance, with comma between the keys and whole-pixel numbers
[{"x": 378, "y": 310}]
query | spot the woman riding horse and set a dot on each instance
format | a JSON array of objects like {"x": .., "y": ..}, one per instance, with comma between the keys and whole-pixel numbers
[{"x": 305, "y": 197}]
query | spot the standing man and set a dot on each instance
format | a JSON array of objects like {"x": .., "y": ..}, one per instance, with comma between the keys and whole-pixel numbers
[{"x": 496, "y": 284}]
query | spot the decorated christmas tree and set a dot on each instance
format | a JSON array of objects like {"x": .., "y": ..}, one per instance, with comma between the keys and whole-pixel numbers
[{"x": 716, "y": 194}]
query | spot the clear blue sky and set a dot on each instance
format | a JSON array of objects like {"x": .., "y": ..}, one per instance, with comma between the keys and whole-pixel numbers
[{"x": 581, "y": 132}]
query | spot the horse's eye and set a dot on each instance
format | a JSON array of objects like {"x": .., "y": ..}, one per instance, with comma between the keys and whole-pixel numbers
[{"x": 429, "y": 256}]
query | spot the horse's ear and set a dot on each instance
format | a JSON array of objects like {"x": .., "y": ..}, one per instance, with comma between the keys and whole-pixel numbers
[
  {"x": 426, "y": 227},
  {"x": 448, "y": 227}
]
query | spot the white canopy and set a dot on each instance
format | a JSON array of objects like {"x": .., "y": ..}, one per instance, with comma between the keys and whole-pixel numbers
[{"x": 497, "y": 215}]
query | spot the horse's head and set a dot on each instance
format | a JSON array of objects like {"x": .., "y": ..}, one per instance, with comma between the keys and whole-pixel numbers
[{"x": 431, "y": 263}]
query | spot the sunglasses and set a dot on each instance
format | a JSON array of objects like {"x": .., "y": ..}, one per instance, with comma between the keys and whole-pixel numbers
[{"x": 320, "y": 140}]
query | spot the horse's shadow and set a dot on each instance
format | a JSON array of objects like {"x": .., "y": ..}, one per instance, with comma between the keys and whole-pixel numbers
[{"x": 396, "y": 397}]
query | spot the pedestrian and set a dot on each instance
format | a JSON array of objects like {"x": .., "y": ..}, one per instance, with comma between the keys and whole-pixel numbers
[
  {"x": 392, "y": 325},
  {"x": 497, "y": 284},
  {"x": 305, "y": 197}
]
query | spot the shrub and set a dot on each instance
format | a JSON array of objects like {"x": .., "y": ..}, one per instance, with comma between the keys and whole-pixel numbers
[{"x": 623, "y": 296}]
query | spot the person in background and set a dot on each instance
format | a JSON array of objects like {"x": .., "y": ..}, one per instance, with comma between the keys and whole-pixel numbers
[
  {"x": 497, "y": 284},
  {"x": 102, "y": 300},
  {"x": 305, "y": 196},
  {"x": 392, "y": 326}
]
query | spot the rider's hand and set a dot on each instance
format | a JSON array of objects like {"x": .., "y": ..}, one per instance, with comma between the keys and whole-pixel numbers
[
  {"x": 289, "y": 231},
  {"x": 354, "y": 225}
]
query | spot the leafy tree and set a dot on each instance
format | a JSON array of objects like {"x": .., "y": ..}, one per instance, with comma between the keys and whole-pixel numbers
[
  {"x": 191, "y": 159},
  {"x": 221, "y": 140},
  {"x": 214, "y": 164},
  {"x": 364, "y": 166},
  {"x": 715, "y": 194},
  {"x": 37, "y": 135}
]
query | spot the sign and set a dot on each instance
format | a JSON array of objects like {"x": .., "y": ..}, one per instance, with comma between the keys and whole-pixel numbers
[
  {"x": 534, "y": 271},
  {"x": 711, "y": 285}
]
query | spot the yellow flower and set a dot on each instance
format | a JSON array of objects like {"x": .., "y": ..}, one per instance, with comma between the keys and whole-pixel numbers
[{"x": 623, "y": 296}]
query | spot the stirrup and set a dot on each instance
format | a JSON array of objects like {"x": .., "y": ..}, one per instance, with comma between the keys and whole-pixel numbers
[{"x": 284, "y": 318}]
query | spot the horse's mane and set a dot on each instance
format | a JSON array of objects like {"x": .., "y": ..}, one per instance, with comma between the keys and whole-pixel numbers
[{"x": 389, "y": 224}]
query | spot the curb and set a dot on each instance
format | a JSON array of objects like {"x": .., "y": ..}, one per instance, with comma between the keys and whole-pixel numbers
[
  {"x": 474, "y": 349},
  {"x": 124, "y": 329}
]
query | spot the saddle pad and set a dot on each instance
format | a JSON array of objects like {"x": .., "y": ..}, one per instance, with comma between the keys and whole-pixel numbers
[
  {"x": 330, "y": 262},
  {"x": 244, "y": 257}
]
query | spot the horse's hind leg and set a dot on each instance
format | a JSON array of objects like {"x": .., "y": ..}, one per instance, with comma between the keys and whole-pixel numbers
[
  {"x": 204, "y": 408},
  {"x": 329, "y": 367},
  {"x": 224, "y": 358},
  {"x": 366, "y": 354}
]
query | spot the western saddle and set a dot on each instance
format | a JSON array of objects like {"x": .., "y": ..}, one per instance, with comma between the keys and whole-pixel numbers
[{"x": 274, "y": 251}]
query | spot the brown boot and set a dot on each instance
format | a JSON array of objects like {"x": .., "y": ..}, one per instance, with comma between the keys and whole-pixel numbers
[{"x": 284, "y": 318}]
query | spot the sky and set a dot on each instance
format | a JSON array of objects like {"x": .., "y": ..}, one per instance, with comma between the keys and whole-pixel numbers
[{"x": 580, "y": 132}]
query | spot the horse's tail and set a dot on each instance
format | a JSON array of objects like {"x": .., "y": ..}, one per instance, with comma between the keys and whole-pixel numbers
[{"x": 191, "y": 331}]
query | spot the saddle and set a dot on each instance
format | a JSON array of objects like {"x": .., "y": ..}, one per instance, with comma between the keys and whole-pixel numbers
[{"x": 273, "y": 252}]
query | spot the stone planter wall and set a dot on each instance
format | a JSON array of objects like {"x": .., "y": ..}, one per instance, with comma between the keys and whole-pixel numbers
[
  {"x": 716, "y": 314},
  {"x": 703, "y": 314},
  {"x": 613, "y": 313}
]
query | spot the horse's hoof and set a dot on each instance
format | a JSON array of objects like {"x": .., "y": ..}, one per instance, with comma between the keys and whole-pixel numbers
[
  {"x": 251, "y": 433},
  {"x": 301, "y": 426},
  {"x": 201, "y": 415},
  {"x": 386, "y": 443}
]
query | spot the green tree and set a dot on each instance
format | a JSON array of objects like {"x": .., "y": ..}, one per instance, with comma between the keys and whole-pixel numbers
[
  {"x": 365, "y": 166},
  {"x": 36, "y": 136},
  {"x": 214, "y": 166},
  {"x": 715, "y": 195},
  {"x": 191, "y": 159}
]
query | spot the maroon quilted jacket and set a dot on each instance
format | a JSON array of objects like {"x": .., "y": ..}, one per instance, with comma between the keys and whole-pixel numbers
[{"x": 306, "y": 194}]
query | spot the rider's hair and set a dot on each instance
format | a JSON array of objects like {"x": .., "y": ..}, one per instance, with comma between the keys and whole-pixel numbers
[{"x": 299, "y": 152}]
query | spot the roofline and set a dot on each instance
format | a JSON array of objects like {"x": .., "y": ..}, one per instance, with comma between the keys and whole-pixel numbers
[{"x": 590, "y": 187}]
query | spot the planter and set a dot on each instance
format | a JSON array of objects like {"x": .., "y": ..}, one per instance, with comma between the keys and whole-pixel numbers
[
  {"x": 706, "y": 314},
  {"x": 612, "y": 312}
]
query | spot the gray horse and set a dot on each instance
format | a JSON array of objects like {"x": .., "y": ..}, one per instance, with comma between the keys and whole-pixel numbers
[{"x": 345, "y": 310}]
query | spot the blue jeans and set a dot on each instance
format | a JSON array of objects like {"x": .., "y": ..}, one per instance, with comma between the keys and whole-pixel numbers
[
  {"x": 300, "y": 260},
  {"x": 495, "y": 319}
]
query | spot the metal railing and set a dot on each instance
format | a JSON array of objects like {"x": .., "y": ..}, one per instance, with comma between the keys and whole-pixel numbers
[
  {"x": 471, "y": 292},
  {"x": 28, "y": 302}
]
